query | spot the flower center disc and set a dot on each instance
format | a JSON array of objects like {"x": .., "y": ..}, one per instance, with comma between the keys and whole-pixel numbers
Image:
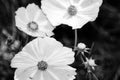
[
  {"x": 42, "y": 65},
  {"x": 33, "y": 26},
  {"x": 72, "y": 10}
]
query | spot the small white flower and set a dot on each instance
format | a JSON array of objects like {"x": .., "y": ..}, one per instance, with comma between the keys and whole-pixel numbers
[
  {"x": 33, "y": 22},
  {"x": 90, "y": 63},
  {"x": 75, "y": 13},
  {"x": 44, "y": 59}
]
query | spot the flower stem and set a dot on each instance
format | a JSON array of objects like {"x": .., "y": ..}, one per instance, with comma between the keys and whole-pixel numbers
[{"x": 75, "y": 43}]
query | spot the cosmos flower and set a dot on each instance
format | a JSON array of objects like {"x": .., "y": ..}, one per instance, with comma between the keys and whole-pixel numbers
[
  {"x": 33, "y": 22},
  {"x": 44, "y": 59},
  {"x": 74, "y": 13}
]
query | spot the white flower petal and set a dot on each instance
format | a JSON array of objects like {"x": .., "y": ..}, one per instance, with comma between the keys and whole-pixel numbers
[
  {"x": 23, "y": 60},
  {"x": 50, "y": 45},
  {"x": 62, "y": 67},
  {"x": 36, "y": 34},
  {"x": 44, "y": 24},
  {"x": 53, "y": 75},
  {"x": 45, "y": 76},
  {"x": 56, "y": 4},
  {"x": 32, "y": 10},
  {"x": 20, "y": 24},
  {"x": 42, "y": 48},
  {"x": 76, "y": 2},
  {"x": 91, "y": 11},
  {"x": 21, "y": 13},
  {"x": 76, "y": 21},
  {"x": 25, "y": 74},
  {"x": 34, "y": 48},
  {"x": 87, "y": 3},
  {"x": 53, "y": 11},
  {"x": 38, "y": 76},
  {"x": 62, "y": 56},
  {"x": 61, "y": 74}
]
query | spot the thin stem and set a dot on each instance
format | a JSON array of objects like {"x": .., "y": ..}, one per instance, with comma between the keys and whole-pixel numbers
[
  {"x": 95, "y": 76},
  {"x": 92, "y": 47},
  {"x": 83, "y": 61},
  {"x": 75, "y": 43}
]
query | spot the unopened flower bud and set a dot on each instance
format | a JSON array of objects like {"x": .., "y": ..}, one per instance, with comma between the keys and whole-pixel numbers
[{"x": 81, "y": 46}]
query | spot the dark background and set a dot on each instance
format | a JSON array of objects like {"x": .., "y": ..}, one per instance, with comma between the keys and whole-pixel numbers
[{"x": 104, "y": 33}]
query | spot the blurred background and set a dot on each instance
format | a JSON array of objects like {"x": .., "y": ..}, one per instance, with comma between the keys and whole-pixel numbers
[{"x": 104, "y": 33}]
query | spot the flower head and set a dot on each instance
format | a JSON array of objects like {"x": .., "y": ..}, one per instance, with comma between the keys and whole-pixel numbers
[
  {"x": 90, "y": 63},
  {"x": 75, "y": 13},
  {"x": 81, "y": 46},
  {"x": 32, "y": 21},
  {"x": 44, "y": 59}
]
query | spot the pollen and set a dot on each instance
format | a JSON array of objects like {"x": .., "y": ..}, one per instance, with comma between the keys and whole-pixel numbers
[
  {"x": 32, "y": 26},
  {"x": 72, "y": 10},
  {"x": 42, "y": 65}
]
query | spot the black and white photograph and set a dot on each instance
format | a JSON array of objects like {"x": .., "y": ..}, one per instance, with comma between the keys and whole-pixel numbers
[{"x": 59, "y": 39}]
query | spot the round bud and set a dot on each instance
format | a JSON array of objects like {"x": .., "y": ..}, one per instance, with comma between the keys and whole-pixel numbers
[{"x": 81, "y": 46}]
